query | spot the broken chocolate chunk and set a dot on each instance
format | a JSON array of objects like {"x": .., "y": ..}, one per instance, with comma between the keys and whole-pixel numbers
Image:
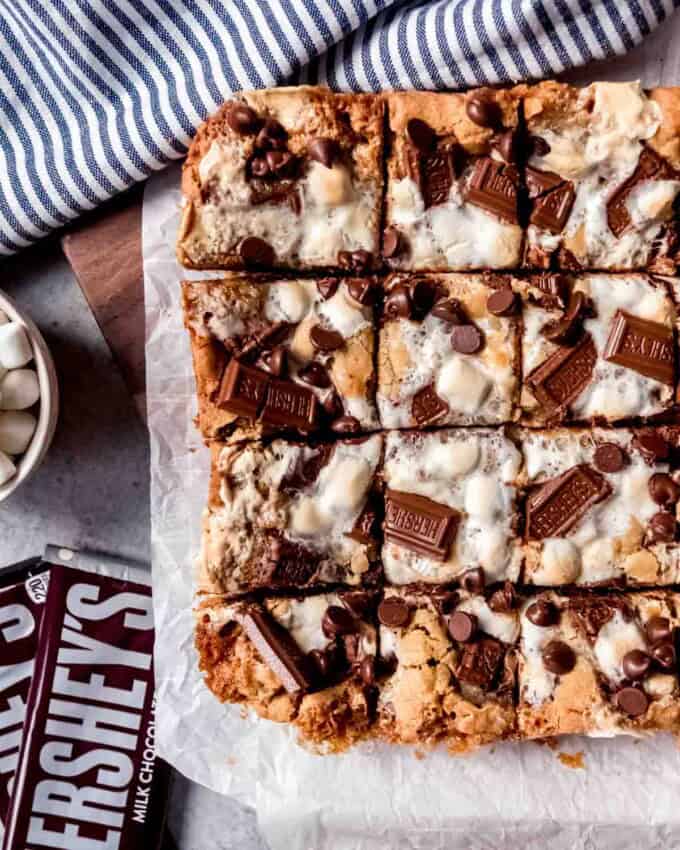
[
  {"x": 650, "y": 167},
  {"x": 287, "y": 564},
  {"x": 593, "y": 612},
  {"x": 480, "y": 663},
  {"x": 568, "y": 326},
  {"x": 493, "y": 187},
  {"x": 556, "y": 506},
  {"x": 644, "y": 346},
  {"x": 420, "y": 524},
  {"x": 427, "y": 406}
]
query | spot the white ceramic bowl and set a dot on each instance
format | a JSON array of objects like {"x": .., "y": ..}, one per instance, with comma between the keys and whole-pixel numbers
[{"x": 48, "y": 411}]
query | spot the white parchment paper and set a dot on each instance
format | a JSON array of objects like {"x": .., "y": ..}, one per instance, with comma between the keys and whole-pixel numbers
[{"x": 627, "y": 796}]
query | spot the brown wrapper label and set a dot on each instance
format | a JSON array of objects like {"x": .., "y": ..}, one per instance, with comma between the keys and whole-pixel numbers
[
  {"x": 88, "y": 777},
  {"x": 23, "y": 589}
]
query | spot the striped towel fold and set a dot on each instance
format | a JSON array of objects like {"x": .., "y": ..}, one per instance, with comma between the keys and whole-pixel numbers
[{"x": 97, "y": 94}]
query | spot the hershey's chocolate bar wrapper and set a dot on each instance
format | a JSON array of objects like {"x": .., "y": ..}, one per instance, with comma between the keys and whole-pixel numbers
[
  {"x": 88, "y": 777},
  {"x": 23, "y": 589}
]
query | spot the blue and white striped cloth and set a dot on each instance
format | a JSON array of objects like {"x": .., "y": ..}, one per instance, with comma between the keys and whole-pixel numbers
[{"x": 97, "y": 94}]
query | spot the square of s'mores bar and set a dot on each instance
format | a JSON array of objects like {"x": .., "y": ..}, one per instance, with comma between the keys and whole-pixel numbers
[
  {"x": 273, "y": 356},
  {"x": 599, "y": 665},
  {"x": 602, "y": 176},
  {"x": 288, "y": 515},
  {"x": 285, "y": 178},
  {"x": 447, "y": 664},
  {"x": 601, "y": 506},
  {"x": 450, "y": 507},
  {"x": 448, "y": 352},
  {"x": 597, "y": 347},
  {"x": 453, "y": 181},
  {"x": 310, "y": 661}
]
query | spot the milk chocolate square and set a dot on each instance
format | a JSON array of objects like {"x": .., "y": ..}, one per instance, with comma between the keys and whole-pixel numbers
[
  {"x": 447, "y": 667},
  {"x": 600, "y": 506},
  {"x": 596, "y": 347},
  {"x": 603, "y": 176},
  {"x": 598, "y": 665},
  {"x": 453, "y": 181},
  {"x": 285, "y": 178},
  {"x": 288, "y": 515},
  {"x": 448, "y": 351},
  {"x": 450, "y": 506},
  {"x": 273, "y": 356}
]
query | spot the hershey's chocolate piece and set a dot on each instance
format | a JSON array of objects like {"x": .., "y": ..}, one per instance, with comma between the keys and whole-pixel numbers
[
  {"x": 593, "y": 612},
  {"x": 437, "y": 173},
  {"x": 290, "y": 405},
  {"x": 91, "y": 704},
  {"x": 540, "y": 182},
  {"x": 287, "y": 564},
  {"x": 493, "y": 187},
  {"x": 650, "y": 167},
  {"x": 480, "y": 663},
  {"x": 277, "y": 649},
  {"x": 567, "y": 327},
  {"x": 561, "y": 502},
  {"x": 420, "y": 524},
  {"x": 23, "y": 589},
  {"x": 643, "y": 346},
  {"x": 364, "y": 528},
  {"x": 427, "y": 406},
  {"x": 272, "y": 192},
  {"x": 242, "y": 389},
  {"x": 561, "y": 378},
  {"x": 552, "y": 210}
]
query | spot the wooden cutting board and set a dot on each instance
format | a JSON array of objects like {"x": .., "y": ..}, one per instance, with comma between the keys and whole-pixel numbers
[{"x": 105, "y": 253}]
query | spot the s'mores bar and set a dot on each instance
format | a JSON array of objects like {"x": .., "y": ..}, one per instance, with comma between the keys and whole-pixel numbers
[
  {"x": 450, "y": 507},
  {"x": 599, "y": 665},
  {"x": 448, "y": 351},
  {"x": 453, "y": 181},
  {"x": 287, "y": 515},
  {"x": 601, "y": 506},
  {"x": 597, "y": 347},
  {"x": 285, "y": 178},
  {"x": 449, "y": 667},
  {"x": 275, "y": 355},
  {"x": 602, "y": 176},
  {"x": 310, "y": 661}
]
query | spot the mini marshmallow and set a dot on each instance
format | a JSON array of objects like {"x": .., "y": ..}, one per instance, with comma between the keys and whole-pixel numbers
[
  {"x": 7, "y": 468},
  {"x": 16, "y": 431},
  {"x": 19, "y": 389},
  {"x": 15, "y": 347}
]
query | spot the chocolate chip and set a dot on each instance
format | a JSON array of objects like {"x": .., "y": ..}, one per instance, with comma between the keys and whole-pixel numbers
[
  {"x": 322, "y": 661},
  {"x": 473, "y": 580},
  {"x": 658, "y": 629},
  {"x": 367, "y": 670},
  {"x": 327, "y": 287},
  {"x": 391, "y": 242},
  {"x": 337, "y": 621},
  {"x": 423, "y": 293},
  {"x": 325, "y": 339},
  {"x": 652, "y": 446},
  {"x": 539, "y": 146},
  {"x": 256, "y": 252},
  {"x": 242, "y": 119},
  {"x": 450, "y": 310},
  {"x": 558, "y": 657},
  {"x": 362, "y": 290},
  {"x": 663, "y": 490},
  {"x": 272, "y": 136},
  {"x": 632, "y": 700},
  {"x": 504, "y": 599},
  {"x": 444, "y": 600},
  {"x": 609, "y": 457},
  {"x": 332, "y": 404},
  {"x": 279, "y": 162},
  {"x": 259, "y": 167},
  {"x": 462, "y": 626},
  {"x": 398, "y": 303},
  {"x": 636, "y": 664},
  {"x": 394, "y": 612},
  {"x": 274, "y": 361},
  {"x": 467, "y": 339},
  {"x": 420, "y": 134},
  {"x": 483, "y": 112},
  {"x": 543, "y": 613},
  {"x": 664, "y": 655},
  {"x": 346, "y": 425},
  {"x": 661, "y": 528},
  {"x": 323, "y": 150},
  {"x": 508, "y": 146},
  {"x": 502, "y": 302},
  {"x": 315, "y": 375},
  {"x": 356, "y": 261}
]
